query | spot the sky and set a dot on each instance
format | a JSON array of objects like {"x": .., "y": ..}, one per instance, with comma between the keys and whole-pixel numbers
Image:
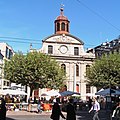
[{"x": 23, "y": 22}]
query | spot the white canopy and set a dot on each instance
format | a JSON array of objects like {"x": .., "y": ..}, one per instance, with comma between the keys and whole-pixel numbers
[
  {"x": 12, "y": 92},
  {"x": 51, "y": 93},
  {"x": 69, "y": 93},
  {"x": 90, "y": 95},
  {"x": 108, "y": 91}
]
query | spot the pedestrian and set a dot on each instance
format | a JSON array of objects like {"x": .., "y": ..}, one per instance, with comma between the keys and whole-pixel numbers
[
  {"x": 39, "y": 106},
  {"x": 29, "y": 104},
  {"x": 89, "y": 103},
  {"x": 71, "y": 114},
  {"x": 56, "y": 112},
  {"x": 95, "y": 108},
  {"x": 2, "y": 109},
  {"x": 116, "y": 112},
  {"x": 75, "y": 103}
]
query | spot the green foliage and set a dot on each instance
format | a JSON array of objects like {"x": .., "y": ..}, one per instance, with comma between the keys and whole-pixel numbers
[
  {"x": 35, "y": 70},
  {"x": 105, "y": 72}
]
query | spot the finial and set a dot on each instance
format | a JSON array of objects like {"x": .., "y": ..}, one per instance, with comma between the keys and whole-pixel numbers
[{"x": 61, "y": 9}]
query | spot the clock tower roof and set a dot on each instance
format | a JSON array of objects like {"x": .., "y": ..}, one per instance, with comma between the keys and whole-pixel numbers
[{"x": 61, "y": 23}]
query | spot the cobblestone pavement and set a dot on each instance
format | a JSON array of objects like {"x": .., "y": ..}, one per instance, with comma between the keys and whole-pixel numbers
[
  {"x": 84, "y": 115},
  {"x": 81, "y": 115}
]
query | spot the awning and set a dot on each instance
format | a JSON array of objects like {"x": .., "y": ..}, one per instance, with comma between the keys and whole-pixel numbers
[{"x": 12, "y": 92}]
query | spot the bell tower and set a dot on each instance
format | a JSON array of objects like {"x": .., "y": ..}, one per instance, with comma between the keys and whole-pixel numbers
[{"x": 61, "y": 23}]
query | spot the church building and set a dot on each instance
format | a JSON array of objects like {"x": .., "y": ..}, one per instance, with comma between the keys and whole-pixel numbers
[{"x": 69, "y": 51}]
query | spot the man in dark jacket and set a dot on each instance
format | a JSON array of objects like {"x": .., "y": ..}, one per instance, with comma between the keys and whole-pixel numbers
[
  {"x": 71, "y": 115},
  {"x": 56, "y": 112},
  {"x": 2, "y": 109}
]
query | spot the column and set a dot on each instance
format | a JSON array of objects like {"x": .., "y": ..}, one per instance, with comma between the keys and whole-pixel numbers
[{"x": 74, "y": 79}]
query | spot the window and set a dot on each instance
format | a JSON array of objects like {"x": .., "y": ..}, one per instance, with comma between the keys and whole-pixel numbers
[
  {"x": 63, "y": 66},
  {"x": 77, "y": 87},
  {"x": 63, "y": 26},
  {"x": 76, "y": 51},
  {"x": 10, "y": 54},
  {"x": 7, "y": 52},
  {"x": 7, "y": 83},
  {"x": 87, "y": 69},
  {"x": 77, "y": 70},
  {"x": 58, "y": 26},
  {"x": 88, "y": 89},
  {"x": 50, "y": 49},
  {"x": 4, "y": 83},
  {"x": 67, "y": 28}
]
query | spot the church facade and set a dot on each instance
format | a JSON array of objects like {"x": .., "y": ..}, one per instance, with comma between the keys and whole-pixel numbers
[{"x": 69, "y": 51}]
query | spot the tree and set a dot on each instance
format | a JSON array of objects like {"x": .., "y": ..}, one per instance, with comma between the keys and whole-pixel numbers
[
  {"x": 105, "y": 72},
  {"x": 35, "y": 70}
]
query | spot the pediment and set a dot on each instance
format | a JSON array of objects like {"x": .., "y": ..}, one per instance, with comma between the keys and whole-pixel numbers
[{"x": 63, "y": 38}]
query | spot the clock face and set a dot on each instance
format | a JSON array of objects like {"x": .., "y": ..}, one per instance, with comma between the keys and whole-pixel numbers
[{"x": 63, "y": 49}]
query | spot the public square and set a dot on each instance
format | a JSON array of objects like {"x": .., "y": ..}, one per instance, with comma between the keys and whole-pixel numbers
[
  {"x": 53, "y": 55},
  {"x": 24, "y": 115}
]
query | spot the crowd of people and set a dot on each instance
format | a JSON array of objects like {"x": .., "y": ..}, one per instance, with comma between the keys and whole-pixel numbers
[
  {"x": 93, "y": 106},
  {"x": 68, "y": 105}
]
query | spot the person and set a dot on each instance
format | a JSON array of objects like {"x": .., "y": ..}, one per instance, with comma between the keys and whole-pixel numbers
[
  {"x": 35, "y": 101},
  {"x": 89, "y": 102},
  {"x": 39, "y": 105},
  {"x": 75, "y": 103},
  {"x": 56, "y": 112},
  {"x": 95, "y": 108},
  {"x": 29, "y": 104},
  {"x": 2, "y": 109},
  {"x": 71, "y": 114},
  {"x": 116, "y": 112}
]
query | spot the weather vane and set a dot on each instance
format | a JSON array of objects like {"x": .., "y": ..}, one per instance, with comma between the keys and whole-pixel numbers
[{"x": 62, "y": 5}]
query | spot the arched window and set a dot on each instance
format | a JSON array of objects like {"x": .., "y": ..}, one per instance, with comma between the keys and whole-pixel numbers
[
  {"x": 87, "y": 69},
  {"x": 50, "y": 49},
  {"x": 77, "y": 87},
  {"x": 63, "y": 66},
  {"x": 67, "y": 28},
  {"x": 77, "y": 70},
  {"x": 58, "y": 26},
  {"x": 63, "y": 26}
]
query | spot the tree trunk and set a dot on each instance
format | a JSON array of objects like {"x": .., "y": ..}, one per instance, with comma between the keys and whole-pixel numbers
[
  {"x": 31, "y": 90},
  {"x": 26, "y": 92}
]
